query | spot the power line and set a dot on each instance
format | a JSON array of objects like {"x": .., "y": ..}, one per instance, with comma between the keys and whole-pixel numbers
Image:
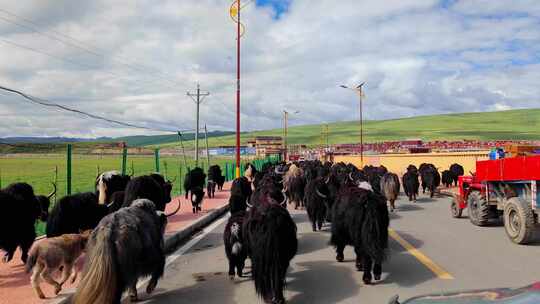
[
  {"x": 79, "y": 45},
  {"x": 73, "y": 62},
  {"x": 47, "y": 103}
]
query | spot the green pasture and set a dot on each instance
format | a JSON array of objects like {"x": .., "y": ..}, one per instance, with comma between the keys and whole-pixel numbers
[
  {"x": 502, "y": 125},
  {"x": 40, "y": 170}
]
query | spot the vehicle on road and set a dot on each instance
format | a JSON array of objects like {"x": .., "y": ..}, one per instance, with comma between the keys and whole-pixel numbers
[
  {"x": 526, "y": 295},
  {"x": 505, "y": 187}
]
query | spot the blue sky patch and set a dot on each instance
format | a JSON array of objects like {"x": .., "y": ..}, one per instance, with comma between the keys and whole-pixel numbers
[{"x": 280, "y": 6}]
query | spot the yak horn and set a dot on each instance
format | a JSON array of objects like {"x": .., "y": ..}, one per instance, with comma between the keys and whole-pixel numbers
[
  {"x": 249, "y": 205},
  {"x": 320, "y": 194},
  {"x": 53, "y": 192},
  {"x": 327, "y": 180},
  {"x": 350, "y": 177},
  {"x": 284, "y": 202},
  {"x": 172, "y": 182},
  {"x": 175, "y": 211}
]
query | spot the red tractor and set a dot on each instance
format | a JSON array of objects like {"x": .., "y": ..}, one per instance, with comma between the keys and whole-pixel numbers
[{"x": 505, "y": 187}]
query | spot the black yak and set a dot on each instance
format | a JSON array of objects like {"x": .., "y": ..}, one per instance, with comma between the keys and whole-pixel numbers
[
  {"x": 74, "y": 213},
  {"x": 410, "y": 183},
  {"x": 360, "y": 219},
  {"x": 241, "y": 187},
  {"x": 21, "y": 208},
  {"x": 270, "y": 237},
  {"x": 390, "y": 188},
  {"x": 317, "y": 198},
  {"x": 233, "y": 238},
  {"x": 447, "y": 178},
  {"x": 126, "y": 245},
  {"x": 214, "y": 175},
  {"x": 108, "y": 183},
  {"x": 431, "y": 178},
  {"x": 194, "y": 187},
  {"x": 457, "y": 170},
  {"x": 152, "y": 187}
]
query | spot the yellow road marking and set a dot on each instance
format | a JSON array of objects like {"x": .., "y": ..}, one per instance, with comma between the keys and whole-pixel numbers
[{"x": 436, "y": 269}]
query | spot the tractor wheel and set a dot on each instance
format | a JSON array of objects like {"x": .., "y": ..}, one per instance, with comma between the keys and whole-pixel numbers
[
  {"x": 479, "y": 210},
  {"x": 518, "y": 220},
  {"x": 456, "y": 211}
]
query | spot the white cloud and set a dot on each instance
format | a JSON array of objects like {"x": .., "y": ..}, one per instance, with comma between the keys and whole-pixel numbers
[{"x": 418, "y": 57}]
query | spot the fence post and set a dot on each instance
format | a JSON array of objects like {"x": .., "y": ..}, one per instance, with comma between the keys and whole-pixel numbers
[
  {"x": 68, "y": 168},
  {"x": 132, "y": 169},
  {"x": 55, "y": 180},
  {"x": 156, "y": 156},
  {"x": 124, "y": 160}
]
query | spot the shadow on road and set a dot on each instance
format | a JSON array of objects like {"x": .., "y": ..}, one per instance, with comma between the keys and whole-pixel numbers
[
  {"x": 312, "y": 241},
  {"x": 336, "y": 283}
]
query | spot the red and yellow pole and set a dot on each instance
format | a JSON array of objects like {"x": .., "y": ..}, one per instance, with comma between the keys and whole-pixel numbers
[{"x": 238, "y": 90}]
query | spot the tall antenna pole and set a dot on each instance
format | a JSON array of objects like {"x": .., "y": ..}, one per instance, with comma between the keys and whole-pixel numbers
[
  {"x": 238, "y": 34},
  {"x": 197, "y": 98},
  {"x": 207, "y": 151}
]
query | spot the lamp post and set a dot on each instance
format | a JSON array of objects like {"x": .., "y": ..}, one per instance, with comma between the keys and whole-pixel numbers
[
  {"x": 358, "y": 90},
  {"x": 285, "y": 131}
]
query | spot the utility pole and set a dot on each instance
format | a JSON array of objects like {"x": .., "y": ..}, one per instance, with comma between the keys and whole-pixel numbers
[
  {"x": 285, "y": 118},
  {"x": 358, "y": 90},
  {"x": 207, "y": 151},
  {"x": 198, "y": 100}
]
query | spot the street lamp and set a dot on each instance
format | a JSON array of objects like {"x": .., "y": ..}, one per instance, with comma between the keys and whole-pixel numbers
[
  {"x": 358, "y": 90},
  {"x": 285, "y": 126}
]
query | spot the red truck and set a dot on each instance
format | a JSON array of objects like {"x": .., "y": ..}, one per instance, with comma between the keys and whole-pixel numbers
[{"x": 505, "y": 187}]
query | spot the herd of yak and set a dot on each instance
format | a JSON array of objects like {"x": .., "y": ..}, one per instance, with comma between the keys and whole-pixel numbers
[{"x": 121, "y": 224}]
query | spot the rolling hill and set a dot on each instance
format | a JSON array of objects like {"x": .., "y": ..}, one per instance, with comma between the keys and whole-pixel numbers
[{"x": 514, "y": 125}]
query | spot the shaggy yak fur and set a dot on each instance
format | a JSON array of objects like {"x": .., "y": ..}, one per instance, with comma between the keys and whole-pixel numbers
[
  {"x": 457, "y": 169},
  {"x": 390, "y": 188},
  {"x": 235, "y": 249},
  {"x": 295, "y": 184},
  {"x": 75, "y": 213},
  {"x": 317, "y": 202},
  {"x": 270, "y": 237},
  {"x": 360, "y": 219},
  {"x": 20, "y": 210},
  {"x": 108, "y": 183},
  {"x": 53, "y": 254},
  {"x": 126, "y": 245},
  {"x": 214, "y": 177},
  {"x": 410, "y": 183},
  {"x": 152, "y": 187},
  {"x": 448, "y": 178},
  {"x": 431, "y": 178}
]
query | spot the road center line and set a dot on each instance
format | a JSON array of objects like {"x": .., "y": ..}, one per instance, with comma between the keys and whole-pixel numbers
[{"x": 422, "y": 258}]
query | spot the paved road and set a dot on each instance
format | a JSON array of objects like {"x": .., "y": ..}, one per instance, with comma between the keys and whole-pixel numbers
[{"x": 462, "y": 256}]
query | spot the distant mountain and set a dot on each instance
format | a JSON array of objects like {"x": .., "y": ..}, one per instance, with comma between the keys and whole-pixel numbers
[{"x": 51, "y": 140}]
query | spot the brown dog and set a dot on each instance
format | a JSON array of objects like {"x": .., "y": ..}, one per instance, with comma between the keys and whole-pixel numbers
[{"x": 51, "y": 254}]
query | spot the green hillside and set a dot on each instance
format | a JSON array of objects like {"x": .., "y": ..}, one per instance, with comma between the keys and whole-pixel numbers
[
  {"x": 142, "y": 140},
  {"x": 513, "y": 124}
]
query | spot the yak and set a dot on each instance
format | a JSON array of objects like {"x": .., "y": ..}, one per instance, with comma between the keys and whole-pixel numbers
[
  {"x": 74, "y": 213},
  {"x": 108, "y": 183},
  {"x": 193, "y": 186},
  {"x": 317, "y": 198},
  {"x": 233, "y": 238},
  {"x": 431, "y": 178},
  {"x": 120, "y": 252},
  {"x": 390, "y": 188},
  {"x": 457, "y": 169},
  {"x": 152, "y": 187},
  {"x": 447, "y": 178},
  {"x": 410, "y": 183},
  {"x": 360, "y": 219},
  {"x": 270, "y": 237},
  {"x": 21, "y": 208},
  {"x": 214, "y": 175},
  {"x": 241, "y": 187},
  {"x": 294, "y": 185}
]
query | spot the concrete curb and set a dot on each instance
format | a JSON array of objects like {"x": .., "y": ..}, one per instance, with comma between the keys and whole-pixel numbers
[{"x": 172, "y": 243}]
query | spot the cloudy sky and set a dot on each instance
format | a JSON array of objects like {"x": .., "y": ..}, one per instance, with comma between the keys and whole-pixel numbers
[{"x": 134, "y": 61}]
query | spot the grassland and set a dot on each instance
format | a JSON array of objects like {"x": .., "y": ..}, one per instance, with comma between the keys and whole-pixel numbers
[
  {"x": 39, "y": 171},
  {"x": 514, "y": 124}
]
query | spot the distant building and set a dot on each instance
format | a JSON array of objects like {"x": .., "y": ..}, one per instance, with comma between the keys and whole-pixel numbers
[
  {"x": 231, "y": 150},
  {"x": 267, "y": 145}
]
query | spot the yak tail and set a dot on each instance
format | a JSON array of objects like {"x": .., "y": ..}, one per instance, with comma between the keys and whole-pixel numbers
[
  {"x": 375, "y": 229},
  {"x": 272, "y": 248},
  {"x": 32, "y": 259},
  {"x": 100, "y": 282}
]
